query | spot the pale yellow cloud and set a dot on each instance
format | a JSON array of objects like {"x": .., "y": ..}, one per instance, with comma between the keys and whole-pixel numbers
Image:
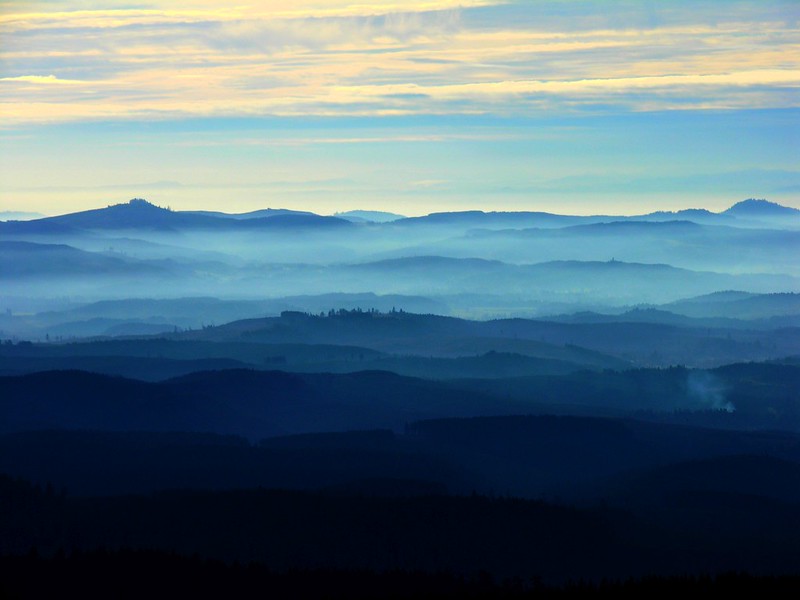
[
  {"x": 211, "y": 11},
  {"x": 39, "y": 54},
  {"x": 357, "y": 100},
  {"x": 43, "y": 80},
  {"x": 789, "y": 78},
  {"x": 269, "y": 58}
]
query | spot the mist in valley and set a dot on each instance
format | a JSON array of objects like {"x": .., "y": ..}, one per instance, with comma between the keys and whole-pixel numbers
[
  {"x": 424, "y": 299},
  {"x": 572, "y": 363}
]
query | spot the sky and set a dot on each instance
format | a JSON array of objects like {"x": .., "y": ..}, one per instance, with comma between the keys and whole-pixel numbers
[{"x": 414, "y": 106}]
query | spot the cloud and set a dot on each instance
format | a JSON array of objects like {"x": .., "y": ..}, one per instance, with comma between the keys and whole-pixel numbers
[
  {"x": 790, "y": 78},
  {"x": 396, "y": 138},
  {"x": 43, "y": 80},
  {"x": 211, "y": 11},
  {"x": 328, "y": 57}
]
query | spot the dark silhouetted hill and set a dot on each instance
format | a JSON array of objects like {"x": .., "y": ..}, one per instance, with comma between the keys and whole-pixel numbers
[
  {"x": 471, "y": 536},
  {"x": 159, "y": 574},
  {"x": 251, "y": 403},
  {"x": 140, "y": 214},
  {"x": 640, "y": 343},
  {"x": 761, "y": 208}
]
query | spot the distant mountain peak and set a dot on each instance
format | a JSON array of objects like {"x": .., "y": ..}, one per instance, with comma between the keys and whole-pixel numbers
[
  {"x": 761, "y": 207},
  {"x": 141, "y": 203}
]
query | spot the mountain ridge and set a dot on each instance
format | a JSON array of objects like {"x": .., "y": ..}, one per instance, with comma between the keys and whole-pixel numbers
[
  {"x": 140, "y": 212},
  {"x": 761, "y": 207}
]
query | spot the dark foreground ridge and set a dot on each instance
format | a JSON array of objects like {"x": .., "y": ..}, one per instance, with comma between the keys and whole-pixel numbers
[
  {"x": 532, "y": 540},
  {"x": 259, "y": 404},
  {"x": 138, "y": 574}
]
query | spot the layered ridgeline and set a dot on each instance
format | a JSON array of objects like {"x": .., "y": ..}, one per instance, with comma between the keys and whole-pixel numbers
[
  {"x": 154, "y": 467},
  {"x": 425, "y": 345},
  {"x": 261, "y": 403},
  {"x": 484, "y": 263},
  {"x": 523, "y": 395}
]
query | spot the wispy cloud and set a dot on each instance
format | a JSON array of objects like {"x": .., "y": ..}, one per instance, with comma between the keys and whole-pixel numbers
[
  {"x": 43, "y": 80},
  {"x": 17, "y": 18},
  {"x": 332, "y": 57},
  {"x": 296, "y": 141}
]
